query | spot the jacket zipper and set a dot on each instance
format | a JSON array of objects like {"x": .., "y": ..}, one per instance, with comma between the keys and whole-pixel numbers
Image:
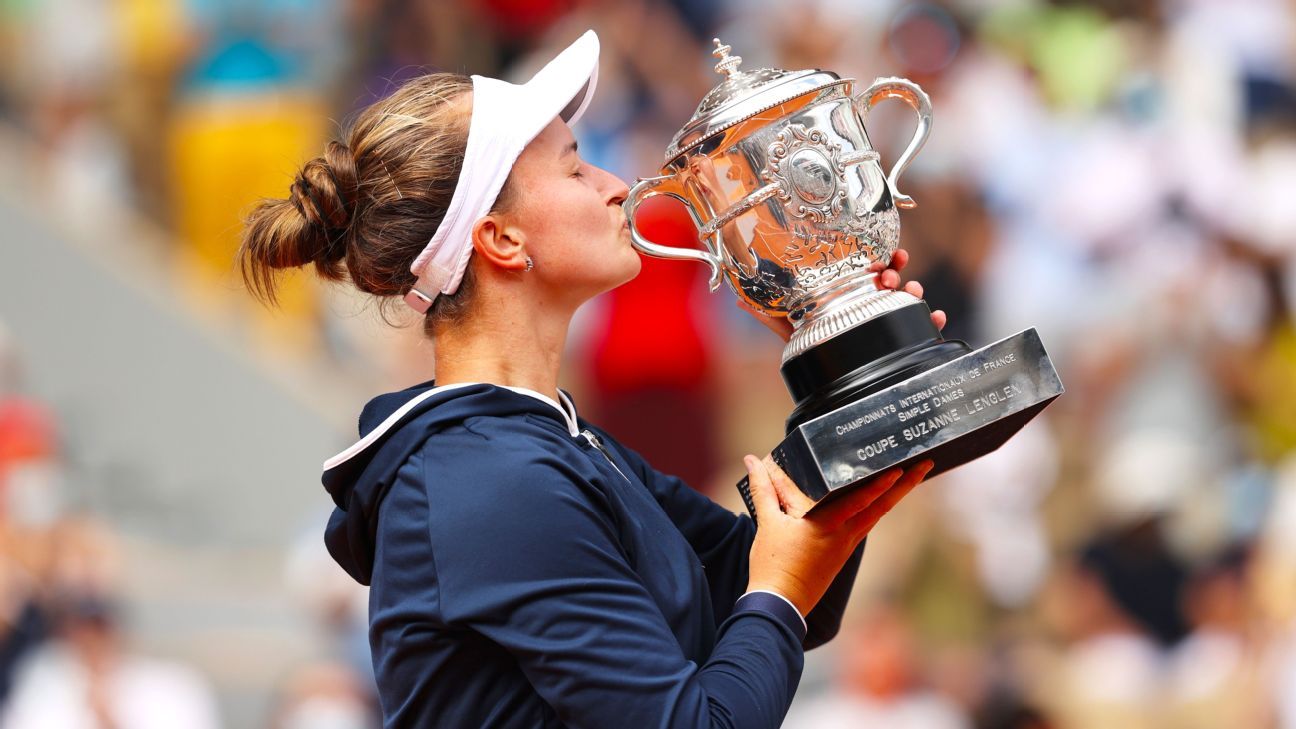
[{"x": 598, "y": 444}]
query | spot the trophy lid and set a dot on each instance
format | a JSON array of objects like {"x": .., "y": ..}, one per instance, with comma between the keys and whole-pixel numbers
[{"x": 742, "y": 95}]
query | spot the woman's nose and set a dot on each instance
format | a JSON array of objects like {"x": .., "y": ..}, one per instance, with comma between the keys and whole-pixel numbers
[{"x": 615, "y": 187}]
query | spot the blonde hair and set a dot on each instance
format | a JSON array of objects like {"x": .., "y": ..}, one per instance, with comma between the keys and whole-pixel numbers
[{"x": 366, "y": 208}]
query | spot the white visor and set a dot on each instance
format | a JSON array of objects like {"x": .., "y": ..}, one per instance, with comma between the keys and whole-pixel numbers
[{"x": 505, "y": 118}]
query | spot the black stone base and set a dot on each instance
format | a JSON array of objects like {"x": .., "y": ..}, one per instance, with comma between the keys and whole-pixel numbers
[{"x": 880, "y": 352}]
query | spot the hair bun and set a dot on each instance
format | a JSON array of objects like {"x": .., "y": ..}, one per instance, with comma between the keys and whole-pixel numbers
[
  {"x": 324, "y": 193},
  {"x": 362, "y": 211}
]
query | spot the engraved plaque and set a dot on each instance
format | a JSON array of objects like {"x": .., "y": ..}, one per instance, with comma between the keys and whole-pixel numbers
[
  {"x": 952, "y": 414},
  {"x": 811, "y": 177}
]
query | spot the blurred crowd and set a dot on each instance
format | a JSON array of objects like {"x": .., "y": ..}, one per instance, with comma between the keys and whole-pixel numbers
[
  {"x": 65, "y": 660},
  {"x": 1116, "y": 174}
]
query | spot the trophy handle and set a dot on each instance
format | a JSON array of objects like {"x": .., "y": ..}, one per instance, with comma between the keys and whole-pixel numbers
[
  {"x": 913, "y": 95},
  {"x": 667, "y": 185}
]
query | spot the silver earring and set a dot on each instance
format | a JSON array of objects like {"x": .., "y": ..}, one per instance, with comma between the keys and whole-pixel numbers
[{"x": 530, "y": 264}]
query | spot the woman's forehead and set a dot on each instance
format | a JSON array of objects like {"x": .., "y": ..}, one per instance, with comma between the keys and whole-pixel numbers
[
  {"x": 551, "y": 143},
  {"x": 555, "y": 138}
]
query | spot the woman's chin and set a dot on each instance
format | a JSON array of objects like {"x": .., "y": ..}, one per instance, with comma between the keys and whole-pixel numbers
[{"x": 628, "y": 272}]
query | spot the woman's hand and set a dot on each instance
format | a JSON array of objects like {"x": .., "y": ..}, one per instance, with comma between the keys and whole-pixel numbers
[
  {"x": 797, "y": 554},
  {"x": 888, "y": 278}
]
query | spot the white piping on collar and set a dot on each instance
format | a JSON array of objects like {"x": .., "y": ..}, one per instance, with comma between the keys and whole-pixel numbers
[{"x": 567, "y": 409}]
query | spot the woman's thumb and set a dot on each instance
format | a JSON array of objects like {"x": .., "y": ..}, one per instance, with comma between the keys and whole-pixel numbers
[{"x": 764, "y": 497}]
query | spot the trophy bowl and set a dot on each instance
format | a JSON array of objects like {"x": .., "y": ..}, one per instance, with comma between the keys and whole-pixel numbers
[
  {"x": 793, "y": 209},
  {"x": 788, "y": 195}
]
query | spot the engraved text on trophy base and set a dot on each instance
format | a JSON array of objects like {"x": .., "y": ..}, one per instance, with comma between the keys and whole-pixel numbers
[{"x": 931, "y": 409}]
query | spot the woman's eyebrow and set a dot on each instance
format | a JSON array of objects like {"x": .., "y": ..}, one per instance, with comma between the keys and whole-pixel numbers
[{"x": 569, "y": 149}]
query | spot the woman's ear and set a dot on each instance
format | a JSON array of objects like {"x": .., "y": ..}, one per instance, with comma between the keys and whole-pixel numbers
[{"x": 499, "y": 242}]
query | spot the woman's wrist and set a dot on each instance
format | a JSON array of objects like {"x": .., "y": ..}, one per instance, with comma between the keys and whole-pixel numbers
[
  {"x": 777, "y": 594},
  {"x": 776, "y": 605}
]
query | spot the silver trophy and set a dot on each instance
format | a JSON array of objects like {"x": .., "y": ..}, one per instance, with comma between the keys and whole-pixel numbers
[{"x": 792, "y": 206}]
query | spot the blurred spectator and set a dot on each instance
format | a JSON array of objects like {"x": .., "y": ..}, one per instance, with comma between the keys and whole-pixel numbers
[
  {"x": 86, "y": 676},
  {"x": 30, "y": 502},
  {"x": 24, "y": 622},
  {"x": 69, "y": 63},
  {"x": 1142, "y": 577},
  {"x": 87, "y": 679},
  {"x": 336, "y": 603},
  {"x": 879, "y": 683},
  {"x": 325, "y": 696},
  {"x": 151, "y": 38},
  {"x": 1217, "y": 675},
  {"x": 1107, "y": 676},
  {"x": 995, "y": 503}
]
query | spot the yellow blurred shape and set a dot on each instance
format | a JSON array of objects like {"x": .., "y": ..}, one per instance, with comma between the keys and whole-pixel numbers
[
  {"x": 151, "y": 32},
  {"x": 228, "y": 151}
]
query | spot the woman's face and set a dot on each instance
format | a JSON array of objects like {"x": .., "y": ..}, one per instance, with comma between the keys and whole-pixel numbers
[{"x": 569, "y": 212}]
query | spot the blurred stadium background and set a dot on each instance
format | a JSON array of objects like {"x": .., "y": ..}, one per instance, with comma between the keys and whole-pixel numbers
[{"x": 1120, "y": 175}]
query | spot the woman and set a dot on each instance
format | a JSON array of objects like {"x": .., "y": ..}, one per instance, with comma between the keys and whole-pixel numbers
[{"x": 525, "y": 569}]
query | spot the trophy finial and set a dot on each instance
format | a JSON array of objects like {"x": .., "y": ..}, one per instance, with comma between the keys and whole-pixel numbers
[{"x": 728, "y": 64}]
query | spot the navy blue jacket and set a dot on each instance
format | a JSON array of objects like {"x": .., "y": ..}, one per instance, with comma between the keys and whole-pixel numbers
[{"x": 525, "y": 570}]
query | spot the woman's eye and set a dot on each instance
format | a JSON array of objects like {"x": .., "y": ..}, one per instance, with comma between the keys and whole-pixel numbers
[{"x": 578, "y": 173}]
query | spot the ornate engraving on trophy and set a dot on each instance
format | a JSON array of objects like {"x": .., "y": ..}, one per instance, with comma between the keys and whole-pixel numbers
[
  {"x": 880, "y": 230},
  {"x": 815, "y": 255},
  {"x": 760, "y": 282},
  {"x": 810, "y": 177},
  {"x": 805, "y": 163}
]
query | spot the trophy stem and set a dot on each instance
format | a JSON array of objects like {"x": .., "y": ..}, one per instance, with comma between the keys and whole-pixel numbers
[{"x": 832, "y": 313}]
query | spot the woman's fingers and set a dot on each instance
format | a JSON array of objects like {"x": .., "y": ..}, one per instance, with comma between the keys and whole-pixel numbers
[
  {"x": 900, "y": 259},
  {"x": 764, "y": 497},
  {"x": 863, "y": 522},
  {"x": 841, "y": 511},
  {"x": 794, "y": 502},
  {"x": 889, "y": 274},
  {"x": 915, "y": 289}
]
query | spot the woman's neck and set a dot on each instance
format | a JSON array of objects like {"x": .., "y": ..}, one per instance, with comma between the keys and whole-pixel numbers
[{"x": 504, "y": 343}]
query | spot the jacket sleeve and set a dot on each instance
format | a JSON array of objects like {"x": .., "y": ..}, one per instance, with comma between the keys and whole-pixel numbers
[
  {"x": 722, "y": 541},
  {"x": 549, "y": 582}
]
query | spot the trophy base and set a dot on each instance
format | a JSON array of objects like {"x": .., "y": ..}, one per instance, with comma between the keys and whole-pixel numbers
[
  {"x": 953, "y": 412},
  {"x": 893, "y": 346}
]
